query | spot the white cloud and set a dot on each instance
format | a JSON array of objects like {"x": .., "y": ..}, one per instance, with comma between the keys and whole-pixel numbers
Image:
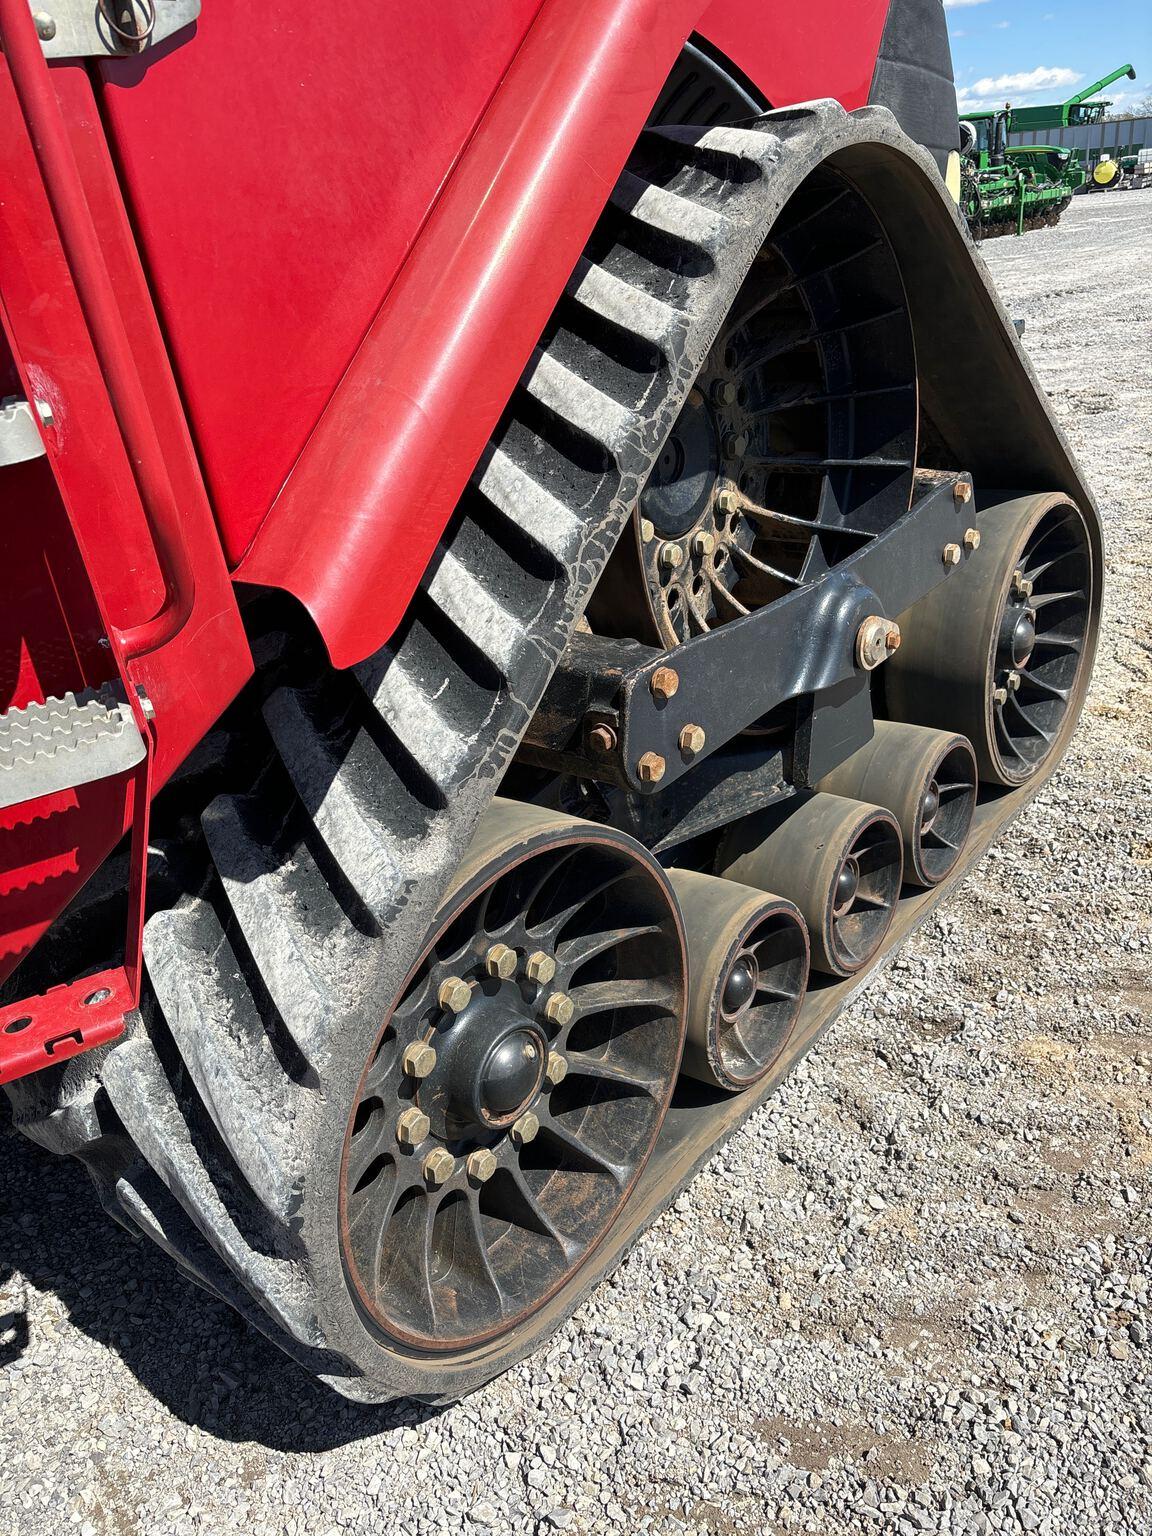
[
  {"x": 1001, "y": 26},
  {"x": 952, "y": 5},
  {"x": 994, "y": 90}
]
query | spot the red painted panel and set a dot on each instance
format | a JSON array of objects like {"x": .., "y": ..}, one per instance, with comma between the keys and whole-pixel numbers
[
  {"x": 804, "y": 50},
  {"x": 278, "y": 163}
]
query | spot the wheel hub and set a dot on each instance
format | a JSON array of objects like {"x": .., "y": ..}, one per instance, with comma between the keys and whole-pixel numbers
[
  {"x": 1018, "y": 637},
  {"x": 740, "y": 988},
  {"x": 490, "y": 1061},
  {"x": 929, "y": 806},
  {"x": 847, "y": 886}
]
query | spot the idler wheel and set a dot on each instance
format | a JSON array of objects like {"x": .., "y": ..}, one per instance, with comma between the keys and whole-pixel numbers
[{"x": 838, "y": 860}]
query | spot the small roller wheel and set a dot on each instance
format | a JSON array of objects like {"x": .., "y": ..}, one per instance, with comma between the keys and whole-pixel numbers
[
  {"x": 927, "y": 779},
  {"x": 839, "y": 860},
  {"x": 748, "y": 970},
  {"x": 1000, "y": 651}
]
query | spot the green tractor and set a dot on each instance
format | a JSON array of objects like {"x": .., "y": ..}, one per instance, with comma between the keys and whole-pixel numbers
[{"x": 1007, "y": 189}]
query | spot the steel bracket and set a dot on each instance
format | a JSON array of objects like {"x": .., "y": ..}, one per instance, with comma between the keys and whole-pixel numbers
[{"x": 100, "y": 29}]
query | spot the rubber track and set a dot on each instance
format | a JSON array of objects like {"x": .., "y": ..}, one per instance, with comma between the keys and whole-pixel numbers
[{"x": 329, "y": 873}]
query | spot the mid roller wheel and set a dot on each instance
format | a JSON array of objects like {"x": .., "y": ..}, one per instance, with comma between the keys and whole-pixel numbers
[
  {"x": 518, "y": 1086},
  {"x": 1000, "y": 651}
]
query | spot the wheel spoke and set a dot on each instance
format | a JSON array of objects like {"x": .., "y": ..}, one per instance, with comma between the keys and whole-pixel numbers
[
  {"x": 606, "y": 996},
  {"x": 578, "y": 1152},
  {"x": 541, "y": 1222},
  {"x": 1056, "y": 643},
  {"x": 1026, "y": 723},
  {"x": 556, "y": 924},
  {"x": 1046, "y": 599},
  {"x": 580, "y": 1065},
  {"x": 1031, "y": 680},
  {"x": 574, "y": 953}
]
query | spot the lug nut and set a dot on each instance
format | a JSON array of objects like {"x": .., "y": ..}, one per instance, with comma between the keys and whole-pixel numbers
[
  {"x": 647, "y": 530},
  {"x": 540, "y": 967},
  {"x": 1020, "y": 586},
  {"x": 602, "y": 740},
  {"x": 500, "y": 962},
  {"x": 671, "y": 555},
  {"x": 418, "y": 1060},
  {"x": 557, "y": 1068},
  {"x": 481, "y": 1165},
  {"x": 971, "y": 538},
  {"x": 952, "y": 554},
  {"x": 728, "y": 501},
  {"x": 1000, "y": 696},
  {"x": 1012, "y": 682},
  {"x": 703, "y": 544},
  {"x": 725, "y": 392},
  {"x": 692, "y": 740},
  {"x": 559, "y": 1009},
  {"x": 454, "y": 994},
  {"x": 412, "y": 1127},
  {"x": 962, "y": 491},
  {"x": 651, "y": 768},
  {"x": 525, "y": 1129},
  {"x": 735, "y": 445},
  {"x": 439, "y": 1166},
  {"x": 664, "y": 684}
]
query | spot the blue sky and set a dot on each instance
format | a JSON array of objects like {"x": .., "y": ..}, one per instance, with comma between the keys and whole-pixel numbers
[{"x": 1033, "y": 51}]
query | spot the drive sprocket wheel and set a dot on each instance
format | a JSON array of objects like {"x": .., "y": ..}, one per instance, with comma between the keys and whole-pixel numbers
[
  {"x": 517, "y": 1088},
  {"x": 1001, "y": 651},
  {"x": 797, "y": 444}
]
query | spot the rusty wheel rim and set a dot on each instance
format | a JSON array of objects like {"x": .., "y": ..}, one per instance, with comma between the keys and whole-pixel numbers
[{"x": 546, "y": 1095}]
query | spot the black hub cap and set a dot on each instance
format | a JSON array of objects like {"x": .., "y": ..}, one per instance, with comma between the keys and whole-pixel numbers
[
  {"x": 929, "y": 806},
  {"x": 847, "y": 886},
  {"x": 761, "y": 998},
  {"x": 477, "y": 1180},
  {"x": 865, "y": 892},
  {"x": 740, "y": 988},
  {"x": 1019, "y": 636}
]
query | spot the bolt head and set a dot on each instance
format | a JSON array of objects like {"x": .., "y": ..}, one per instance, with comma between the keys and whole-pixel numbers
[
  {"x": 557, "y": 1068},
  {"x": 439, "y": 1166},
  {"x": 1000, "y": 696},
  {"x": 525, "y": 1129},
  {"x": 500, "y": 962},
  {"x": 454, "y": 995},
  {"x": 735, "y": 445},
  {"x": 703, "y": 544},
  {"x": 412, "y": 1127},
  {"x": 972, "y": 538},
  {"x": 647, "y": 530},
  {"x": 540, "y": 967},
  {"x": 962, "y": 491},
  {"x": 45, "y": 26},
  {"x": 692, "y": 739},
  {"x": 651, "y": 768},
  {"x": 1021, "y": 587},
  {"x": 725, "y": 392},
  {"x": 876, "y": 639},
  {"x": 728, "y": 501},
  {"x": 1012, "y": 682},
  {"x": 671, "y": 556},
  {"x": 602, "y": 740},
  {"x": 893, "y": 639},
  {"x": 418, "y": 1060},
  {"x": 481, "y": 1165},
  {"x": 664, "y": 683},
  {"x": 952, "y": 554},
  {"x": 560, "y": 1009}
]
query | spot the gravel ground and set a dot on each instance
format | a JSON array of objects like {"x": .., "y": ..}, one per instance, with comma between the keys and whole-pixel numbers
[{"x": 911, "y": 1295}]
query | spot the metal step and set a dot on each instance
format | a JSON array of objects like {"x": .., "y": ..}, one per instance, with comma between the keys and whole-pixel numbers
[{"x": 65, "y": 742}]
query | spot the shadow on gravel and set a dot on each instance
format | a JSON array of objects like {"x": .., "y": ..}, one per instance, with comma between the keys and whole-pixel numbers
[{"x": 190, "y": 1351}]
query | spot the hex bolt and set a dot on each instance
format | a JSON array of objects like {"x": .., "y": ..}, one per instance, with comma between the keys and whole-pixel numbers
[
  {"x": 729, "y": 501},
  {"x": 692, "y": 740},
  {"x": 1012, "y": 682},
  {"x": 500, "y": 962},
  {"x": 647, "y": 530},
  {"x": 1000, "y": 696},
  {"x": 481, "y": 1165},
  {"x": 560, "y": 1009},
  {"x": 44, "y": 407},
  {"x": 971, "y": 539},
  {"x": 557, "y": 1069},
  {"x": 725, "y": 392},
  {"x": 540, "y": 967},
  {"x": 893, "y": 639},
  {"x": 703, "y": 543},
  {"x": 418, "y": 1059},
  {"x": 45, "y": 26},
  {"x": 664, "y": 683},
  {"x": 602, "y": 740},
  {"x": 962, "y": 491},
  {"x": 651, "y": 767},
  {"x": 454, "y": 994},
  {"x": 735, "y": 445},
  {"x": 1020, "y": 586},
  {"x": 876, "y": 639},
  {"x": 525, "y": 1129},
  {"x": 439, "y": 1166},
  {"x": 671, "y": 556},
  {"x": 412, "y": 1127},
  {"x": 952, "y": 554}
]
